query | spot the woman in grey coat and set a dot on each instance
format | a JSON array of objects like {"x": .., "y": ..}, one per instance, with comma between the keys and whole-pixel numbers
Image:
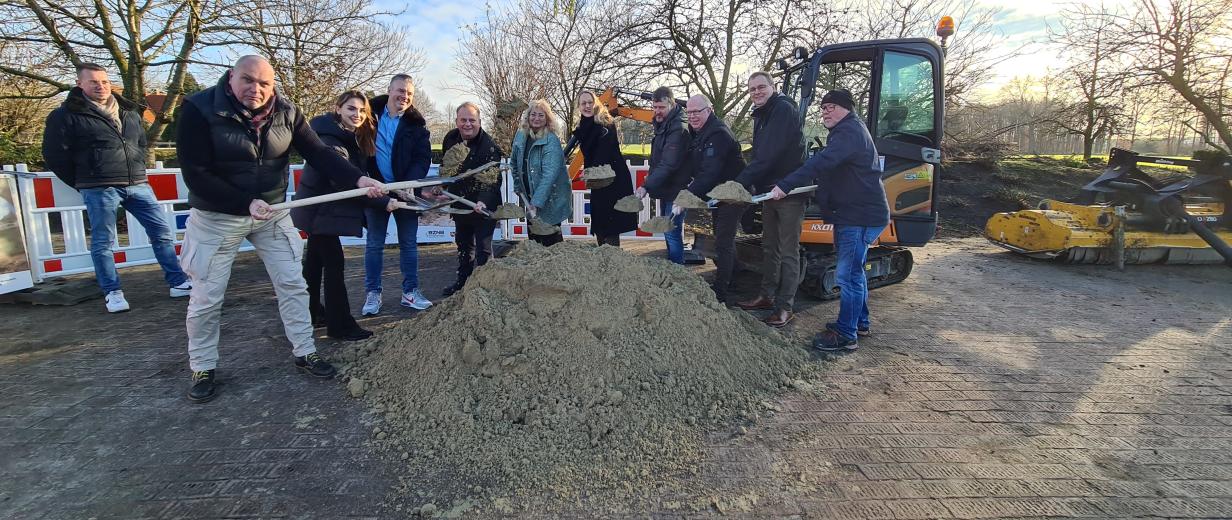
[{"x": 539, "y": 176}]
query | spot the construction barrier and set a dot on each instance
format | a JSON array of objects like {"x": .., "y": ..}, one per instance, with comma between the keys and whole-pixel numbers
[{"x": 45, "y": 200}]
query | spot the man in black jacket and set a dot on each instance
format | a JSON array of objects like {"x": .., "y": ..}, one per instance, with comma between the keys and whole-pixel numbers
[
  {"x": 778, "y": 148},
  {"x": 849, "y": 189},
  {"x": 403, "y": 153},
  {"x": 714, "y": 156},
  {"x": 233, "y": 141},
  {"x": 95, "y": 142},
  {"x": 473, "y": 232},
  {"x": 668, "y": 172}
]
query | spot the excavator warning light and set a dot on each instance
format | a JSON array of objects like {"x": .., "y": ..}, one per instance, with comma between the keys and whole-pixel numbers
[
  {"x": 945, "y": 27},
  {"x": 782, "y": 63},
  {"x": 799, "y": 53}
]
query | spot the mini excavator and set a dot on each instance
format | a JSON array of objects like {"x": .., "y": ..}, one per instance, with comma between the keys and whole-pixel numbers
[{"x": 1126, "y": 216}]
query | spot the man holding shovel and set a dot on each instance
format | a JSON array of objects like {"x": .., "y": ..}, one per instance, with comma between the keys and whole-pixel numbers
[
  {"x": 849, "y": 190},
  {"x": 714, "y": 156},
  {"x": 668, "y": 172},
  {"x": 234, "y": 142},
  {"x": 473, "y": 233},
  {"x": 778, "y": 149}
]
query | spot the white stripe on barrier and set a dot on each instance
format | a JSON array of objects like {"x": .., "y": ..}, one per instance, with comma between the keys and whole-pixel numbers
[{"x": 45, "y": 199}]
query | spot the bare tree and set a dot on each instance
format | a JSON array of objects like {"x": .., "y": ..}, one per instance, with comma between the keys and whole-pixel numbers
[
  {"x": 320, "y": 48},
  {"x": 1182, "y": 44},
  {"x": 136, "y": 37},
  {"x": 1094, "y": 78}
]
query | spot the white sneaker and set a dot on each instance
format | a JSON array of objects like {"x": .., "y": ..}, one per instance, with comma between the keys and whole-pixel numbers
[
  {"x": 415, "y": 300},
  {"x": 182, "y": 290},
  {"x": 372, "y": 304},
  {"x": 116, "y": 301}
]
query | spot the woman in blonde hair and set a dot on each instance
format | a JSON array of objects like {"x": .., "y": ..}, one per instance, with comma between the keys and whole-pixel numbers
[
  {"x": 538, "y": 164},
  {"x": 596, "y": 136}
]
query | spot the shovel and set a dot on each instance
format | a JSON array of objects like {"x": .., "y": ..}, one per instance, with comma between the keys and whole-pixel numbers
[
  {"x": 502, "y": 212},
  {"x": 360, "y": 192},
  {"x": 766, "y": 196}
]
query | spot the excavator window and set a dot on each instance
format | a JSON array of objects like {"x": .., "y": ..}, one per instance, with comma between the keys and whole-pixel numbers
[
  {"x": 905, "y": 107},
  {"x": 851, "y": 75}
]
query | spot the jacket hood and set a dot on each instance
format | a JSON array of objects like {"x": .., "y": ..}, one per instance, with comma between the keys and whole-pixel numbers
[
  {"x": 377, "y": 104},
  {"x": 77, "y": 102}
]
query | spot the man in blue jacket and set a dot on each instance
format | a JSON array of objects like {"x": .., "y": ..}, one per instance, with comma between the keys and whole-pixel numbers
[
  {"x": 852, "y": 198},
  {"x": 403, "y": 153}
]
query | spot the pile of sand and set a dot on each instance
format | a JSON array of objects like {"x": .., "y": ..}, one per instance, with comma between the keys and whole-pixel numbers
[
  {"x": 566, "y": 370},
  {"x": 686, "y": 199},
  {"x": 599, "y": 176},
  {"x": 731, "y": 191},
  {"x": 452, "y": 159},
  {"x": 629, "y": 204}
]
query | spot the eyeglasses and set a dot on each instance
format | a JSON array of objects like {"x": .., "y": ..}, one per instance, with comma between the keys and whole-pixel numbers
[
  {"x": 828, "y": 107},
  {"x": 697, "y": 112},
  {"x": 759, "y": 88}
]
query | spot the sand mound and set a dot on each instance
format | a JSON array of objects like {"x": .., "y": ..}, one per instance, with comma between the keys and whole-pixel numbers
[
  {"x": 731, "y": 191},
  {"x": 567, "y": 370},
  {"x": 657, "y": 225},
  {"x": 599, "y": 176},
  {"x": 686, "y": 199},
  {"x": 629, "y": 204}
]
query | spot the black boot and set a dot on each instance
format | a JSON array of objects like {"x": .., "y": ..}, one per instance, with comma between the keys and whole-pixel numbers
[
  {"x": 457, "y": 286},
  {"x": 203, "y": 387}
]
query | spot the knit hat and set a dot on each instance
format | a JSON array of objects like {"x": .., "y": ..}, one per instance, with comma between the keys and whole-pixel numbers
[{"x": 840, "y": 97}]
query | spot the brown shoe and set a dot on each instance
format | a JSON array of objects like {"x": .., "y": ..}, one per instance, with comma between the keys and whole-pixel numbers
[
  {"x": 756, "y": 304},
  {"x": 779, "y": 318}
]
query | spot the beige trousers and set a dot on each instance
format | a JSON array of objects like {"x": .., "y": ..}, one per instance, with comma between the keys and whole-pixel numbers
[{"x": 210, "y": 243}]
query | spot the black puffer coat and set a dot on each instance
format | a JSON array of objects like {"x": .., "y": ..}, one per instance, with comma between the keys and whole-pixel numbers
[
  {"x": 600, "y": 146},
  {"x": 84, "y": 148},
  {"x": 343, "y": 217}
]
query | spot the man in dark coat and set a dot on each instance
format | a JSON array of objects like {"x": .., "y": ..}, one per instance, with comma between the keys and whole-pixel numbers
[
  {"x": 778, "y": 149},
  {"x": 473, "y": 232},
  {"x": 403, "y": 153},
  {"x": 234, "y": 145},
  {"x": 715, "y": 158},
  {"x": 95, "y": 142},
  {"x": 668, "y": 169},
  {"x": 849, "y": 189}
]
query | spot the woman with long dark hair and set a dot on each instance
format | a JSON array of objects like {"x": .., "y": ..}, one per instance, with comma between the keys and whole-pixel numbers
[{"x": 351, "y": 130}]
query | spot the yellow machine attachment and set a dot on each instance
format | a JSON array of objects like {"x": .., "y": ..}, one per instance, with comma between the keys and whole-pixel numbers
[
  {"x": 1182, "y": 220},
  {"x": 1089, "y": 234}
]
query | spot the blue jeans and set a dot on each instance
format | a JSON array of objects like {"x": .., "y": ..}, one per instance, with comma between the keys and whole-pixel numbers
[
  {"x": 675, "y": 237},
  {"x": 851, "y": 243},
  {"x": 408, "y": 248},
  {"x": 139, "y": 201}
]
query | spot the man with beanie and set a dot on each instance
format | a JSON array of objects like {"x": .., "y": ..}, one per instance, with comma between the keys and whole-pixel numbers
[
  {"x": 234, "y": 141},
  {"x": 668, "y": 172},
  {"x": 778, "y": 148},
  {"x": 95, "y": 143},
  {"x": 852, "y": 198}
]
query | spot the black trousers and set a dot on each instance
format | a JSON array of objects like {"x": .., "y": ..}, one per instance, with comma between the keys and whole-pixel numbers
[
  {"x": 726, "y": 218},
  {"x": 473, "y": 236},
  {"x": 323, "y": 256},
  {"x": 611, "y": 240},
  {"x": 547, "y": 240}
]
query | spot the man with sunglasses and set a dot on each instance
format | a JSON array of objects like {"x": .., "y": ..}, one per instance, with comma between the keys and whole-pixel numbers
[
  {"x": 849, "y": 190},
  {"x": 778, "y": 149}
]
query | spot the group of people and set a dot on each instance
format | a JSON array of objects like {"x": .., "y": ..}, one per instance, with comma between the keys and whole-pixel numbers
[{"x": 233, "y": 144}]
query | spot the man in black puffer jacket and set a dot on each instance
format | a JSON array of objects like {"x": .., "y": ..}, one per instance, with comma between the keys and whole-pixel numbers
[
  {"x": 234, "y": 142},
  {"x": 473, "y": 232},
  {"x": 669, "y": 171},
  {"x": 95, "y": 142}
]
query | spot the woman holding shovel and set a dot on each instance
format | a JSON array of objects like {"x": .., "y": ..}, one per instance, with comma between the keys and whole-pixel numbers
[
  {"x": 351, "y": 130},
  {"x": 596, "y": 135},
  {"x": 539, "y": 176}
]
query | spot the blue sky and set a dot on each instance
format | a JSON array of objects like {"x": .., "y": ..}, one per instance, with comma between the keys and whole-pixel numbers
[{"x": 434, "y": 27}]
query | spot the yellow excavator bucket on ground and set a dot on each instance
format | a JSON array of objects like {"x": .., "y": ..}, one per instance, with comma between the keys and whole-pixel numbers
[{"x": 1141, "y": 220}]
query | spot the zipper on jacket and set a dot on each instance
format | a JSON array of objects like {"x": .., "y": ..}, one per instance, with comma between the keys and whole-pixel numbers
[{"x": 128, "y": 162}]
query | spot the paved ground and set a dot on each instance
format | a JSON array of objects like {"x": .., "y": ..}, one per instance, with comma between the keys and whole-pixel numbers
[{"x": 992, "y": 387}]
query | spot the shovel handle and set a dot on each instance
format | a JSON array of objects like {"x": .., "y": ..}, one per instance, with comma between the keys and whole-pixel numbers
[{"x": 359, "y": 192}]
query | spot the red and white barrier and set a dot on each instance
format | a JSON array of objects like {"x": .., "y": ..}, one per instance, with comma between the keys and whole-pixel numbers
[{"x": 44, "y": 198}]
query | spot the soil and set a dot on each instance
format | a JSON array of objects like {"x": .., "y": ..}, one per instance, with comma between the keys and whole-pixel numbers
[
  {"x": 970, "y": 193},
  {"x": 731, "y": 191},
  {"x": 539, "y": 227},
  {"x": 507, "y": 211},
  {"x": 453, "y": 158},
  {"x": 574, "y": 371},
  {"x": 598, "y": 176},
  {"x": 629, "y": 204},
  {"x": 657, "y": 225},
  {"x": 686, "y": 199}
]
